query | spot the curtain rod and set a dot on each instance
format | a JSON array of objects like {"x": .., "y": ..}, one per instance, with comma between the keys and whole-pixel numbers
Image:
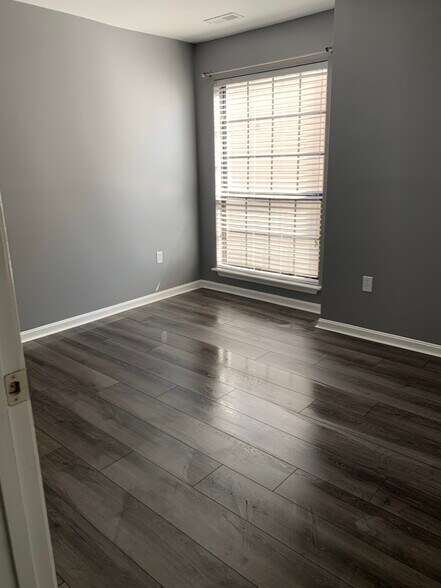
[{"x": 215, "y": 73}]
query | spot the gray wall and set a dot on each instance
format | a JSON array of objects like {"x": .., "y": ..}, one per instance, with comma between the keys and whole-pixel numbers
[
  {"x": 295, "y": 37},
  {"x": 98, "y": 166},
  {"x": 97, "y": 162},
  {"x": 384, "y": 202}
]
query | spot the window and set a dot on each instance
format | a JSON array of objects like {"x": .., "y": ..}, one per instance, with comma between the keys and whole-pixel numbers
[{"x": 270, "y": 151}]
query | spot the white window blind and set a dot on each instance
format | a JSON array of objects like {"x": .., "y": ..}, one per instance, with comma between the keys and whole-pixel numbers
[{"x": 270, "y": 149}]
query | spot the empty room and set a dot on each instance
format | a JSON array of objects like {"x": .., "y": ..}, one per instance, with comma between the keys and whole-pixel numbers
[{"x": 220, "y": 286}]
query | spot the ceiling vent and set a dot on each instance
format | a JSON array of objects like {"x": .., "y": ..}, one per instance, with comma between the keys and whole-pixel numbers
[{"x": 223, "y": 18}]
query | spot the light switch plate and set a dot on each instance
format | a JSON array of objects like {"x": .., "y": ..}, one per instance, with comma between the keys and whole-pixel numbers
[{"x": 159, "y": 257}]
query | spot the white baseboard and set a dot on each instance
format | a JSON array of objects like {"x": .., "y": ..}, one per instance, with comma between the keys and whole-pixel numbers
[
  {"x": 263, "y": 296},
  {"x": 380, "y": 337},
  {"x": 95, "y": 315},
  {"x": 324, "y": 324}
]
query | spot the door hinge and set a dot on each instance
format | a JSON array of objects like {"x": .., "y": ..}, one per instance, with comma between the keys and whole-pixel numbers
[{"x": 17, "y": 387}]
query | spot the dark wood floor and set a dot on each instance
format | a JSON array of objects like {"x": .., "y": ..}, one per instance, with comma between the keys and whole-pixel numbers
[{"x": 211, "y": 440}]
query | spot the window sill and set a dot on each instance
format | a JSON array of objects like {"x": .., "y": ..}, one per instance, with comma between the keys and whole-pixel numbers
[{"x": 298, "y": 285}]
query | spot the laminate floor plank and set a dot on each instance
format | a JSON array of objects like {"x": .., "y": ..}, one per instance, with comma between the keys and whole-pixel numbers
[
  {"x": 433, "y": 365},
  {"x": 277, "y": 346},
  {"x": 384, "y": 434},
  {"x": 83, "y": 335},
  {"x": 241, "y": 307},
  {"x": 198, "y": 313},
  {"x": 136, "y": 314},
  {"x": 384, "y": 351},
  {"x": 226, "y": 449},
  {"x": 118, "y": 369},
  {"x": 223, "y": 313},
  {"x": 205, "y": 366},
  {"x": 412, "y": 423},
  {"x": 163, "y": 311},
  {"x": 261, "y": 559},
  {"x": 285, "y": 383},
  {"x": 107, "y": 320},
  {"x": 281, "y": 378},
  {"x": 178, "y": 458},
  {"x": 204, "y": 334},
  {"x": 41, "y": 377},
  {"x": 424, "y": 403},
  {"x": 96, "y": 447},
  {"x": 45, "y": 443},
  {"x": 336, "y": 435},
  {"x": 157, "y": 369},
  {"x": 122, "y": 336},
  {"x": 159, "y": 548},
  {"x": 334, "y": 549},
  {"x": 274, "y": 312},
  {"x": 384, "y": 449},
  {"x": 212, "y": 440},
  {"x": 415, "y": 506},
  {"x": 164, "y": 369},
  {"x": 164, "y": 337},
  {"x": 388, "y": 373},
  {"x": 408, "y": 543},
  {"x": 227, "y": 358},
  {"x": 409, "y": 375},
  {"x": 262, "y": 337},
  {"x": 154, "y": 430},
  {"x": 295, "y": 319},
  {"x": 299, "y": 453},
  {"x": 85, "y": 557},
  {"x": 309, "y": 342},
  {"x": 64, "y": 367}
]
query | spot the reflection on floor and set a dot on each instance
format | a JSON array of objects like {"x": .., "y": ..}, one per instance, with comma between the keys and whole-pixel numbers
[{"x": 211, "y": 440}]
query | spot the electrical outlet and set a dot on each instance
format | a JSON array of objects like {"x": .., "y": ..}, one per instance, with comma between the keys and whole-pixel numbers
[
  {"x": 159, "y": 257},
  {"x": 368, "y": 284}
]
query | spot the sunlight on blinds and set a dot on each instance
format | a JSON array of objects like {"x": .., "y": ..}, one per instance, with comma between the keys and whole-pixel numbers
[{"x": 270, "y": 149}]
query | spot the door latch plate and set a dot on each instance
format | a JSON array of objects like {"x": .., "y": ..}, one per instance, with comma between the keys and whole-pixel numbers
[{"x": 17, "y": 387}]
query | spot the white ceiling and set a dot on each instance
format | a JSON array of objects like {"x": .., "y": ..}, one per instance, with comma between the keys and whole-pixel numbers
[{"x": 184, "y": 19}]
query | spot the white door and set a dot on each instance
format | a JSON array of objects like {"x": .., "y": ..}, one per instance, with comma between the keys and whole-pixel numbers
[{"x": 29, "y": 551}]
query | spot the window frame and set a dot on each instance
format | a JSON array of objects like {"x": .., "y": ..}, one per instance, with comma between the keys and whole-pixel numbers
[{"x": 301, "y": 284}]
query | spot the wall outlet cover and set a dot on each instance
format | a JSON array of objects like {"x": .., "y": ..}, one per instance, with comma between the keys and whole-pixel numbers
[{"x": 368, "y": 284}]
